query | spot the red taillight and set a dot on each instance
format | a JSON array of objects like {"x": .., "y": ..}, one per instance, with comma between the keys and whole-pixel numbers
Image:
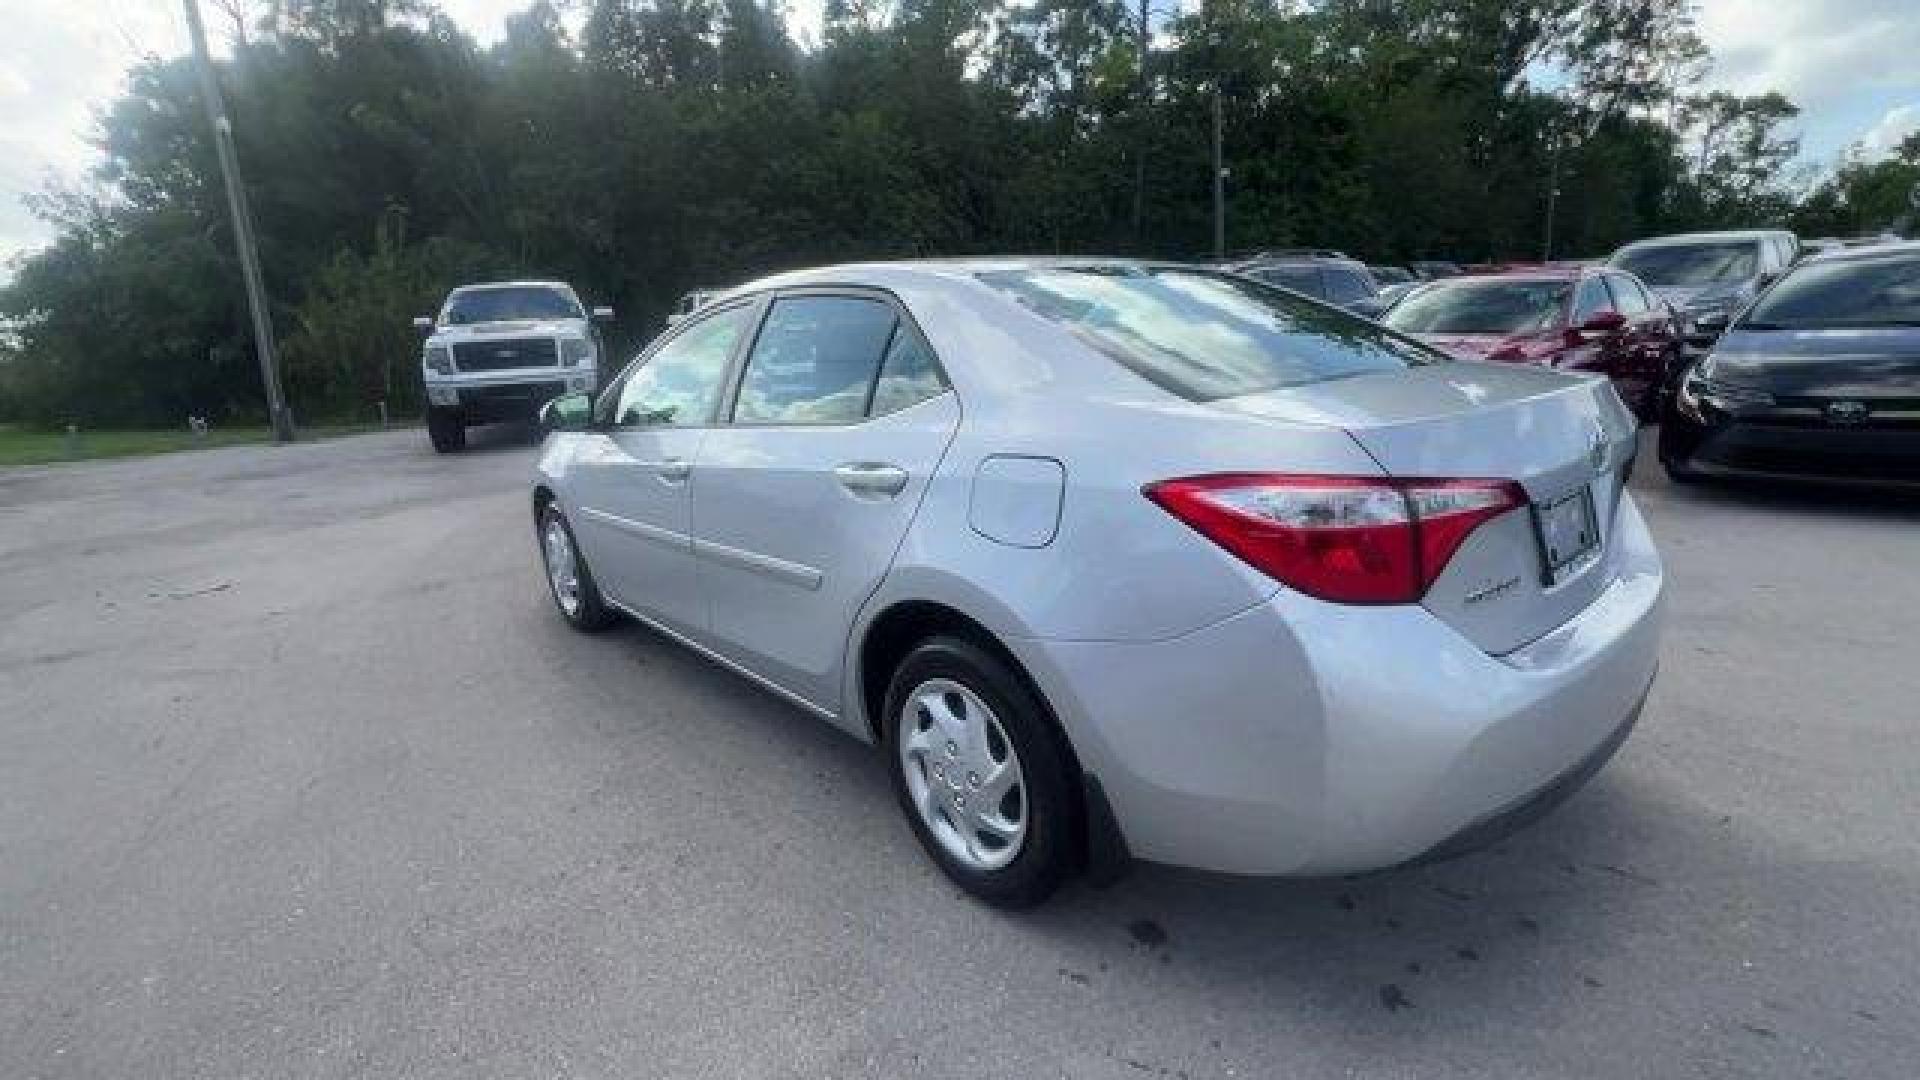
[{"x": 1349, "y": 539}]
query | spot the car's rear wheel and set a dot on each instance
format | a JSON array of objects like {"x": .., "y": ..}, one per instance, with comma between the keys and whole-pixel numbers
[
  {"x": 980, "y": 773},
  {"x": 568, "y": 578},
  {"x": 447, "y": 429}
]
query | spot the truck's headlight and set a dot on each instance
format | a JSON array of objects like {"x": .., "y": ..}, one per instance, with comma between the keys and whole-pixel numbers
[
  {"x": 439, "y": 359},
  {"x": 575, "y": 351}
]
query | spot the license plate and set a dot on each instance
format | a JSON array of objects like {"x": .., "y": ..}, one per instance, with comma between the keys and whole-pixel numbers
[{"x": 1567, "y": 531}]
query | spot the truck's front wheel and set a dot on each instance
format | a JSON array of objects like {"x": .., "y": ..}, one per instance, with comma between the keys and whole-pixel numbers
[{"x": 448, "y": 430}]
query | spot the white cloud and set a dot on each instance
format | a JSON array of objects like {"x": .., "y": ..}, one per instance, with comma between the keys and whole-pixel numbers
[
  {"x": 1814, "y": 51},
  {"x": 1886, "y": 136}
]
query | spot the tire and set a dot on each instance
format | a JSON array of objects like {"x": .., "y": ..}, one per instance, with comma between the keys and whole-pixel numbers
[
  {"x": 581, "y": 605},
  {"x": 447, "y": 429},
  {"x": 934, "y": 762}
]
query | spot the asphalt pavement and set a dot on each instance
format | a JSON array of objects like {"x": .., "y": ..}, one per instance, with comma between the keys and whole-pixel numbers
[{"x": 301, "y": 777}]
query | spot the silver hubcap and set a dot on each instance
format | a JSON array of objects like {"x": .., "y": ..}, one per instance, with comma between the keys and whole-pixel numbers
[
  {"x": 963, "y": 775},
  {"x": 563, "y": 570}
]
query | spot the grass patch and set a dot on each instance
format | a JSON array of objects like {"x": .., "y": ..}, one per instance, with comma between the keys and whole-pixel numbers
[{"x": 26, "y": 446}]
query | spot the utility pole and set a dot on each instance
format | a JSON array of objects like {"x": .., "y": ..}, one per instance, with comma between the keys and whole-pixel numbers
[
  {"x": 1142, "y": 90},
  {"x": 1219, "y": 183},
  {"x": 277, "y": 414},
  {"x": 1553, "y": 194}
]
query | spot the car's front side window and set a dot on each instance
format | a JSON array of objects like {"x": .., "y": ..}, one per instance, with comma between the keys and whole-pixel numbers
[
  {"x": 1625, "y": 296},
  {"x": 815, "y": 361},
  {"x": 1591, "y": 298},
  {"x": 680, "y": 385}
]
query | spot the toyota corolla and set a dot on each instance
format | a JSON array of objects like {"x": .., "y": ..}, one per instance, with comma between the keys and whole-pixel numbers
[{"x": 1123, "y": 560}]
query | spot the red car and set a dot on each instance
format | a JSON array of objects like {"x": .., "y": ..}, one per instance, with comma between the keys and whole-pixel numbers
[{"x": 1582, "y": 318}]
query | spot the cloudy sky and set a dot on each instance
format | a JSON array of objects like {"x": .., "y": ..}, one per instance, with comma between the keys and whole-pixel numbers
[{"x": 1852, "y": 65}]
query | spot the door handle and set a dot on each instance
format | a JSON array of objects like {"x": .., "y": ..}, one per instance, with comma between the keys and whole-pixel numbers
[
  {"x": 673, "y": 470},
  {"x": 869, "y": 478}
]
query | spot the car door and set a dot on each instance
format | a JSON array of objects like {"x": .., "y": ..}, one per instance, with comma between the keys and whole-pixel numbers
[
  {"x": 839, "y": 418},
  {"x": 631, "y": 482}
]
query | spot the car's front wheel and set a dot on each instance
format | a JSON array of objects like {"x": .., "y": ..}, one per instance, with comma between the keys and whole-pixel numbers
[
  {"x": 981, "y": 773},
  {"x": 447, "y": 430},
  {"x": 568, "y": 578}
]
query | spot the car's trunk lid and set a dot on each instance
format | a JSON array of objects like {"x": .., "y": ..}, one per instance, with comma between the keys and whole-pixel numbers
[{"x": 1566, "y": 439}]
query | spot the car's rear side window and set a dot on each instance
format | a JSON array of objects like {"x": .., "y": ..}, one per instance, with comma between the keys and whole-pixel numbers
[
  {"x": 815, "y": 361},
  {"x": 1204, "y": 335}
]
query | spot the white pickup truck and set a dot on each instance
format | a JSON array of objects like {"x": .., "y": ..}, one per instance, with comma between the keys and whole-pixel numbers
[{"x": 499, "y": 350}]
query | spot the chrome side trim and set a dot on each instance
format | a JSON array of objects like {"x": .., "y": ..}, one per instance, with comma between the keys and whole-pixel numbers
[
  {"x": 760, "y": 680},
  {"x": 638, "y": 528},
  {"x": 792, "y": 573}
]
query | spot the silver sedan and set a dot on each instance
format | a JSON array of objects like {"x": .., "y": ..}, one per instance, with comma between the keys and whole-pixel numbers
[{"x": 1125, "y": 560}]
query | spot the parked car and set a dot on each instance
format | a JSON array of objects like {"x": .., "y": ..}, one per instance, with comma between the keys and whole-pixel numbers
[
  {"x": 1433, "y": 269},
  {"x": 1334, "y": 278},
  {"x": 1708, "y": 277},
  {"x": 1122, "y": 559},
  {"x": 499, "y": 350},
  {"x": 1820, "y": 377},
  {"x": 1571, "y": 317}
]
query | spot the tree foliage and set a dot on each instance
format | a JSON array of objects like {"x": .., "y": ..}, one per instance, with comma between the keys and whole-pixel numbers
[{"x": 639, "y": 148}]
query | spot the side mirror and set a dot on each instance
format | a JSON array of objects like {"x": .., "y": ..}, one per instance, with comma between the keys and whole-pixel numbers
[
  {"x": 568, "y": 412},
  {"x": 603, "y": 314},
  {"x": 423, "y": 324},
  {"x": 1601, "y": 323}
]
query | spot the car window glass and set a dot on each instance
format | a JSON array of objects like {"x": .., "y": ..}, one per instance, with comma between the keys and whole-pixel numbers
[
  {"x": 1480, "y": 306},
  {"x": 512, "y": 303},
  {"x": 1880, "y": 290},
  {"x": 1625, "y": 296},
  {"x": 679, "y": 386},
  {"x": 1204, "y": 335},
  {"x": 1590, "y": 298},
  {"x": 1691, "y": 265},
  {"x": 815, "y": 361},
  {"x": 909, "y": 375},
  {"x": 1301, "y": 279},
  {"x": 1344, "y": 286}
]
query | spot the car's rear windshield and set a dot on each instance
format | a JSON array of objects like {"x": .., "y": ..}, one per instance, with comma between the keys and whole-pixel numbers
[
  {"x": 509, "y": 304},
  {"x": 1871, "y": 290},
  {"x": 1691, "y": 265},
  {"x": 1205, "y": 335},
  {"x": 1481, "y": 307}
]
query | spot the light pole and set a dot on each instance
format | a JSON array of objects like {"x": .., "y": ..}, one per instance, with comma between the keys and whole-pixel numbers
[
  {"x": 1219, "y": 183},
  {"x": 277, "y": 414},
  {"x": 1553, "y": 193}
]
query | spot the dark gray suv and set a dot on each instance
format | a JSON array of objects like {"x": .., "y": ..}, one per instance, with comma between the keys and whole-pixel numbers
[{"x": 1330, "y": 277}]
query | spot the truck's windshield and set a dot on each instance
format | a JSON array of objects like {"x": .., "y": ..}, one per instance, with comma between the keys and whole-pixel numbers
[{"x": 508, "y": 303}]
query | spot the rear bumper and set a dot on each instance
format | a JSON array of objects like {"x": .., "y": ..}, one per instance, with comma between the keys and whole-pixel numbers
[
  {"x": 1305, "y": 738},
  {"x": 1510, "y": 819}
]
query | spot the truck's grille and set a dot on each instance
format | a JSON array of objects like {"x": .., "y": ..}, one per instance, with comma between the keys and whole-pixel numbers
[{"x": 495, "y": 355}]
